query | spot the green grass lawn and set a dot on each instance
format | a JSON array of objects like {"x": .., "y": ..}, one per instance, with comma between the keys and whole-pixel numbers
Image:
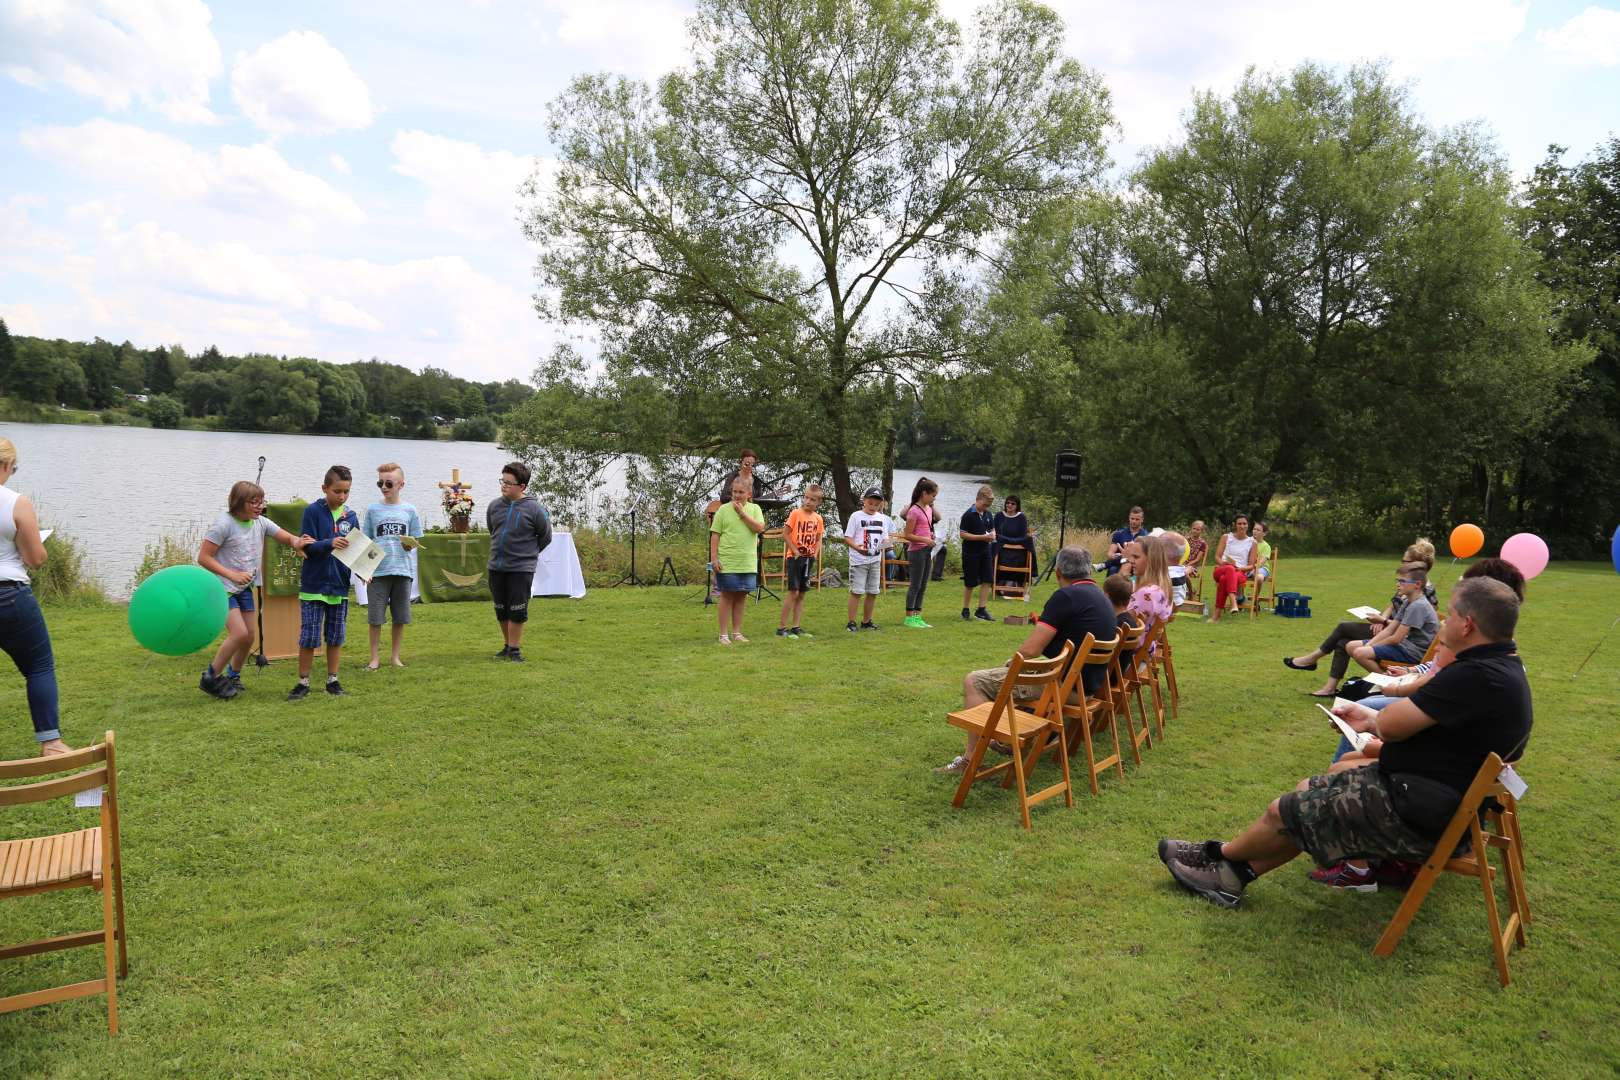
[{"x": 641, "y": 854}]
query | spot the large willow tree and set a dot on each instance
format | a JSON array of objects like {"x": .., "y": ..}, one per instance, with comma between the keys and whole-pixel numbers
[{"x": 766, "y": 244}]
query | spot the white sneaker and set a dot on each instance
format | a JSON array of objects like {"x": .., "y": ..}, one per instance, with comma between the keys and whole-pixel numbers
[{"x": 955, "y": 767}]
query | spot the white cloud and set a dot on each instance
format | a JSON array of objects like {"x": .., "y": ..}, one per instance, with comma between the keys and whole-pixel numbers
[
  {"x": 342, "y": 313},
  {"x": 469, "y": 189},
  {"x": 646, "y": 38},
  {"x": 22, "y": 319},
  {"x": 160, "y": 52},
  {"x": 340, "y": 164},
  {"x": 253, "y": 180},
  {"x": 1590, "y": 38},
  {"x": 300, "y": 84},
  {"x": 227, "y": 270}
]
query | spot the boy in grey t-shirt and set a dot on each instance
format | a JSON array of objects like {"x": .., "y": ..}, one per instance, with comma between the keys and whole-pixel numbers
[
  {"x": 232, "y": 550},
  {"x": 1406, "y": 637}
]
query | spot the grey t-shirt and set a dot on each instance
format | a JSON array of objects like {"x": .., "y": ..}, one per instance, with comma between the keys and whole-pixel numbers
[
  {"x": 1422, "y": 623},
  {"x": 241, "y": 544}
]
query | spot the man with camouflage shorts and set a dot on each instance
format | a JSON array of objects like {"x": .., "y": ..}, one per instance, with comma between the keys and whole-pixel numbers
[{"x": 1428, "y": 748}]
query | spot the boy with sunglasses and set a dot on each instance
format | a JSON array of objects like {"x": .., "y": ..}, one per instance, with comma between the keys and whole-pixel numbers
[{"x": 395, "y": 526}]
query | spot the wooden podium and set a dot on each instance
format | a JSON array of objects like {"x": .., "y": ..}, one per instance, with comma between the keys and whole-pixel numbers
[
  {"x": 278, "y": 596},
  {"x": 280, "y": 627}
]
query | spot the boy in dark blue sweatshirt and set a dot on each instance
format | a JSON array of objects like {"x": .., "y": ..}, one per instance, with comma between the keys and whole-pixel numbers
[{"x": 323, "y": 585}]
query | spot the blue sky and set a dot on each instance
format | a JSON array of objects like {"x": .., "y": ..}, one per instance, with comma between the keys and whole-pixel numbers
[{"x": 337, "y": 180}]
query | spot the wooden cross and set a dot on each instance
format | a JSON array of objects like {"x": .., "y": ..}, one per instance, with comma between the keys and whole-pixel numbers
[{"x": 455, "y": 483}]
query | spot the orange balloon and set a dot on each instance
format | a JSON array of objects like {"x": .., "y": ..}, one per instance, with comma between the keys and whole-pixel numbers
[{"x": 1466, "y": 541}]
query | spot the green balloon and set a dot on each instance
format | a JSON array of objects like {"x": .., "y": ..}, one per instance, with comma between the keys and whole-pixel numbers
[{"x": 177, "y": 610}]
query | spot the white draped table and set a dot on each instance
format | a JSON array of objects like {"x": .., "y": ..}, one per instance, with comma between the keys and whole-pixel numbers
[{"x": 557, "y": 573}]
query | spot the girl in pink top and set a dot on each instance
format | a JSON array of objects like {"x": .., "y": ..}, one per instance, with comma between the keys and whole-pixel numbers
[{"x": 919, "y": 538}]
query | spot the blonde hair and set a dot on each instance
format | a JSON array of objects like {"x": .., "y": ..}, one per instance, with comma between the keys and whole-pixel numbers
[
  {"x": 1157, "y": 568},
  {"x": 8, "y": 452},
  {"x": 1421, "y": 550},
  {"x": 985, "y": 492},
  {"x": 391, "y": 467}
]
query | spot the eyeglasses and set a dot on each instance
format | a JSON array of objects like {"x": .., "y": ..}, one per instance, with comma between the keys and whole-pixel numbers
[
  {"x": 509, "y": 483},
  {"x": 386, "y": 485}
]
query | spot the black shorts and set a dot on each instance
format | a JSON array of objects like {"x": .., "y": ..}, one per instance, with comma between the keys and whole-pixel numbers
[
  {"x": 510, "y": 591},
  {"x": 800, "y": 570},
  {"x": 978, "y": 569}
]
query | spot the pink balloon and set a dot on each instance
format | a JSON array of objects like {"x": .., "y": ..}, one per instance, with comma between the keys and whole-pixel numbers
[{"x": 1528, "y": 552}]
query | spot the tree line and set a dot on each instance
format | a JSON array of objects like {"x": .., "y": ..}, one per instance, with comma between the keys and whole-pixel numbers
[
  {"x": 254, "y": 392},
  {"x": 845, "y": 230}
]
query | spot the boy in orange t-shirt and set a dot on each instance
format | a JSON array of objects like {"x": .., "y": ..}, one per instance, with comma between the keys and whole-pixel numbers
[{"x": 802, "y": 538}]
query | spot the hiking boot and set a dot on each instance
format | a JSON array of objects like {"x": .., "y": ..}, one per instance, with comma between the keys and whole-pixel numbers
[
  {"x": 866, "y": 626},
  {"x": 335, "y": 688},
  {"x": 1345, "y": 878},
  {"x": 506, "y": 651},
  {"x": 1189, "y": 852},
  {"x": 984, "y": 616},
  {"x": 851, "y": 627},
  {"x": 299, "y": 692},
  {"x": 1217, "y": 882}
]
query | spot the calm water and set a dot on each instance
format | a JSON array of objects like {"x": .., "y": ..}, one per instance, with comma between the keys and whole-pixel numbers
[{"x": 117, "y": 489}]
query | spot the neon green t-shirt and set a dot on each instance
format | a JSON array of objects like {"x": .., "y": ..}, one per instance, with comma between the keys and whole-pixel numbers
[{"x": 738, "y": 546}]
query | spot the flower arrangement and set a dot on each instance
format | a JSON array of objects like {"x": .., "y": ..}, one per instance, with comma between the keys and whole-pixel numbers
[{"x": 458, "y": 502}]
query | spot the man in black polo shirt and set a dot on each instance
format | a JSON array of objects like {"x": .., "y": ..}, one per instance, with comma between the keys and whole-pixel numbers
[
  {"x": 1076, "y": 609},
  {"x": 1397, "y": 805}
]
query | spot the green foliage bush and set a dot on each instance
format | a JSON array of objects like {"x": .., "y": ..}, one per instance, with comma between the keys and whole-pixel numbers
[
  {"x": 164, "y": 411},
  {"x": 65, "y": 578},
  {"x": 474, "y": 429},
  {"x": 170, "y": 549}
]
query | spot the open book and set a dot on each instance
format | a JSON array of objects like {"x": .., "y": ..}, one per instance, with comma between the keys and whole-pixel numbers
[
  {"x": 1364, "y": 613},
  {"x": 361, "y": 556},
  {"x": 1358, "y": 739},
  {"x": 1384, "y": 682}
]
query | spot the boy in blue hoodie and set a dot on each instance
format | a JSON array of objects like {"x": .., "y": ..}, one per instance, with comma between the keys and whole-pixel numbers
[{"x": 323, "y": 585}]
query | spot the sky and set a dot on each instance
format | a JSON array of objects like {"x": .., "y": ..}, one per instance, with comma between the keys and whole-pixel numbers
[{"x": 338, "y": 180}]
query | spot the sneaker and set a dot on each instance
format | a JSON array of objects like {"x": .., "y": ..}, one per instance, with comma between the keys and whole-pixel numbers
[
  {"x": 984, "y": 616},
  {"x": 865, "y": 626},
  {"x": 299, "y": 692},
  {"x": 515, "y": 656},
  {"x": 335, "y": 688},
  {"x": 1395, "y": 873},
  {"x": 1216, "y": 881},
  {"x": 236, "y": 681},
  {"x": 851, "y": 627},
  {"x": 209, "y": 683},
  {"x": 954, "y": 767},
  {"x": 923, "y": 625},
  {"x": 1345, "y": 878},
  {"x": 799, "y": 631},
  {"x": 506, "y": 650},
  {"x": 967, "y": 616},
  {"x": 915, "y": 622},
  {"x": 781, "y": 631}
]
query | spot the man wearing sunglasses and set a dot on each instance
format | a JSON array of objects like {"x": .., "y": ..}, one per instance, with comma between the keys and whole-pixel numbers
[{"x": 1405, "y": 638}]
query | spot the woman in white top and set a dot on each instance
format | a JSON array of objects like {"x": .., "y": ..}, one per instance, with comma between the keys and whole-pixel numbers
[
  {"x": 1234, "y": 561},
  {"x": 22, "y": 625}
]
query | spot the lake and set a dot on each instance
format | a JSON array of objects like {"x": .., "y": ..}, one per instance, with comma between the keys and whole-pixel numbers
[{"x": 117, "y": 489}]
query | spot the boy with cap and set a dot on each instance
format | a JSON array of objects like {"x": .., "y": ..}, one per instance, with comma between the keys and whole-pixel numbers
[{"x": 867, "y": 535}]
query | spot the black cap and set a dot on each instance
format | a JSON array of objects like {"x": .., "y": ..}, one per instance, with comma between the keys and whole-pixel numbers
[{"x": 872, "y": 493}]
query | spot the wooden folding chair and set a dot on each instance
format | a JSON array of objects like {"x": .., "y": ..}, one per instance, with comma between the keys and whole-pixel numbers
[
  {"x": 1164, "y": 659},
  {"x": 1019, "y": 589},
  {"x": 1149, "y": 674},
  {"x": 1087, "y": 717},
  {"x": 891, "y": 559},
  {"x": 773, "y": 557},
  {"x": 1026, "y": 731},
  {"x": 1127, "y": 684},
  {"x": 1265, "y": 588},
  {"x": 1488, "y": 801},
  {"x": 1195, "y": 583},
  {"x": 85, "y": 858}
]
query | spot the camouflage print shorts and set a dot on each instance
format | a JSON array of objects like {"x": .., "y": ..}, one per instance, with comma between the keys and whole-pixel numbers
[{"x": 1350, "y": 815}]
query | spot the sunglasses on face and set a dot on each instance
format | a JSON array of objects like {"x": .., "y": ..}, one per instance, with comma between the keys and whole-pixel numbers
[
  {"x": 386, "y": 485},
  {"x": 1404, "y": 581}
]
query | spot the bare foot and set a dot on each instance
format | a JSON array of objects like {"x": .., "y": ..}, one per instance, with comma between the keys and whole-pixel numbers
[
  {"x": 737, "y": 637},
  {"x": 54, "y": 748},
  {"x": 373, "y": 666},
  {"x": 397, "y": 662}
]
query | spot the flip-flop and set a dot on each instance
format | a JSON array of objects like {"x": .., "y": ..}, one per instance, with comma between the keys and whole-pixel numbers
[{"x": 1288, "y": 662}]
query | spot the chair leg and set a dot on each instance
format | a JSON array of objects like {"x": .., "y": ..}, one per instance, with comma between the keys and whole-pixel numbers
[
  {"x": 972, "y": 768},
  {"x": 1063, "y": 760},
  {"x": 1023, "y": 786},
  {"x": 1091, "y": 754},
  {"x": 109, "y": 924},
  {"x": 1170, "y": 681},
  {"x": 118, "y": 908},
  {"x": 1510, "y": 827},
  {"x": 1408, "y": 910},
  {"x": 1487, "y": 883}
]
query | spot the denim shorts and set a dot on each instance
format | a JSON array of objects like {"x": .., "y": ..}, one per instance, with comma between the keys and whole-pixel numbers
[
  {"x": 1399, "y": 652},
  {"x": 241, "y": 601},
  {"x": 735, "y": 583}
]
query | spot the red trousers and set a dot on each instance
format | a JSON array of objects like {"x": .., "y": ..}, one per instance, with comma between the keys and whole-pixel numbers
[{"x": 1228, "y": 580}]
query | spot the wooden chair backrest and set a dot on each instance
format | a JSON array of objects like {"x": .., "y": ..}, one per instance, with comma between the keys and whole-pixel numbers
[
  {"x": 1130, "y": 640},
  {"x": 45, "y": 790},
  {"x": 1041, "y": 671},
  {"x": 1092, "y": 652}
]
